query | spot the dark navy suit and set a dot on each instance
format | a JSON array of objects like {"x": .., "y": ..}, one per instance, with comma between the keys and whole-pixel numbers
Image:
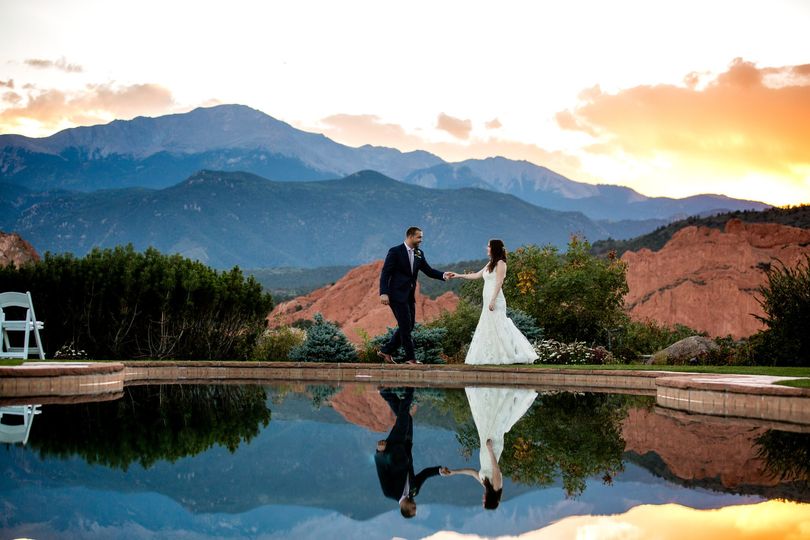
[
  {"x": 395, "y": 463},
  {"x": 398, "y": 281}
]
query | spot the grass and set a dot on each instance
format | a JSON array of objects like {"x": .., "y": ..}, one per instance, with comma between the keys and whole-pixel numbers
[
  {"x": 10, "y": 361},
  {"x": 722, "y": 370},
  {"x": 797, "y": 383}
]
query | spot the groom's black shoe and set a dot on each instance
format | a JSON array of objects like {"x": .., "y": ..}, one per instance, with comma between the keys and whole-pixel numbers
[{"x": 386, "y": 357}]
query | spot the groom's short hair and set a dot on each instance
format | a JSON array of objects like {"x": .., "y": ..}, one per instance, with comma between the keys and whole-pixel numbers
[{"x": 412, "y": 231}]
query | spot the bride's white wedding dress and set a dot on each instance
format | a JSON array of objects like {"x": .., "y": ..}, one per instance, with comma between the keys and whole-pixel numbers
[
  {"x": 497, "y": 340},
  {"x": 495, "y": 411}
]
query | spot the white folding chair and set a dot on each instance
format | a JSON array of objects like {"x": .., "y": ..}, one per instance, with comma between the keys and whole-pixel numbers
[
  {"x": 16, "y": 422},
  {"x": 26, "y": 325}
]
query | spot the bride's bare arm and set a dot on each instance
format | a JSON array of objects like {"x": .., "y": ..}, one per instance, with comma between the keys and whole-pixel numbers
[
  {"x": 468, "y": 472},
  {"x": 476, "y": 275}
]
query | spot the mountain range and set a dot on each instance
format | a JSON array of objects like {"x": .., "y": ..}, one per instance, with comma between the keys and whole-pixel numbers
[
  {"x": 157, "y": 152},
  {"x": 236, "y": 218}
]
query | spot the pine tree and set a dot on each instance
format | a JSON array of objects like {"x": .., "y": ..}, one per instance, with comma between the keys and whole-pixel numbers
[{"x": 325, "y": 343}]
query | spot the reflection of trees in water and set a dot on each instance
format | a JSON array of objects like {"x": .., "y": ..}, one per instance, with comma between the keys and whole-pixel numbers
[
  {"x": 786, "y": 456},
  {"x": 152, "y": 423},
  {"x": 571, "y": 435}
]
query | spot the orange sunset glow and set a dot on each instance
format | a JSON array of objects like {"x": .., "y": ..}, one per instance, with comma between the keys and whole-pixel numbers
[
  {"x": 771, "y": 520},
  {"x": 672, "y": 100}
]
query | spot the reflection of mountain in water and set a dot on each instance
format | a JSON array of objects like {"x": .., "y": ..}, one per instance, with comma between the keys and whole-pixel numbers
[{"x": 308, "y": 456}]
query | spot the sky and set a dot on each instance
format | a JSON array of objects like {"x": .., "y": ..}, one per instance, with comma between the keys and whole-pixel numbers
[{"x": 669, "y": 98}]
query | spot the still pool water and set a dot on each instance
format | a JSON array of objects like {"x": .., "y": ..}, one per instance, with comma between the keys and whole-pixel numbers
[{"x": 302, "y": 461}]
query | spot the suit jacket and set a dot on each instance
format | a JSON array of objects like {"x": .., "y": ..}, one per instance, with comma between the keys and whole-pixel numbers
[
  {"x": 394, "y": 465},
  {"x": 397, "y": 280}
]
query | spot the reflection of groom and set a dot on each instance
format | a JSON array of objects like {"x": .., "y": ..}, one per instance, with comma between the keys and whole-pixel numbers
[
  {"x": 398, "y": 290},
  {"x": 394, "y": 459}
]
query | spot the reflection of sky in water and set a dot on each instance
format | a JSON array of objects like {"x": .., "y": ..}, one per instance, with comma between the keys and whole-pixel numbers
[{"x": 307, "y": 475}]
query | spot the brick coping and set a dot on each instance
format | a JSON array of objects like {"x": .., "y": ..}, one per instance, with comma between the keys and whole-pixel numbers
[{"x": 739, "y": 384}]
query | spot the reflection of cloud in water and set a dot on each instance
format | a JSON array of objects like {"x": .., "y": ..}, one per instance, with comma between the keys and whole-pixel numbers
[{"x": 770, "y": 520}]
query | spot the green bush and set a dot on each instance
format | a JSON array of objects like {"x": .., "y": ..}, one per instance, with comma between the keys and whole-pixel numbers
[
  {"x": 785, "y": 298},
  {"x": 572, "y": 296},
  {"x": 460, "y": 327},
  {"x": 635, "y": 339},
  {"x": 525, "y": 323},
  {"x": 122, "y": 304},
  {"x": 275, "y": 344},
  {"x": 325, "y": 343},
  {"x": 427, "y": 343}
]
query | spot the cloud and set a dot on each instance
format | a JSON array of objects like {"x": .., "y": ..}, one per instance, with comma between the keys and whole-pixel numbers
[
  {"x": 47, "y": 111},
  {"x": 454, "y": 126},
  {"x": 746, "y": 118},
  {"x": 12, "y": 97},
  {"x": 494, "y": 124},
  {"x": 7, "y": 84},
  {"x": 357, "y": 130},
  {"x": 362, "y": 129},
  {"x": 60, "y": 64}
]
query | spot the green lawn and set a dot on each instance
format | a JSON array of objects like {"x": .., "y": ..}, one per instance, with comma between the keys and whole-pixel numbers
[
  {"x": 10, "y": 362},
  {"x": 798, "y": 383},
  {"x": 725, "y": 370}
]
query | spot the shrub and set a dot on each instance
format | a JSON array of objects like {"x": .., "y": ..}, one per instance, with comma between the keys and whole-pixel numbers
[
  {"x": 122, "y": 304},
  {"x": 635, "y": 338},
  {"x": 427, "y": 343},
  {"x": 525, "y": 323},
  {"x": 275, "y": 344},
  {"x": 573, "y": 296},
  {"x": 785, "y": 299},
  {"x": 554, "y": 352},
  {"x": 459, "y": 326},
  {"x": 325, "y": 342}
]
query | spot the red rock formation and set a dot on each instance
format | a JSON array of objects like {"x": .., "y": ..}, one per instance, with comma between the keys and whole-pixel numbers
[
  {"x": 699, "y": 449},
  {"x": 354, "y": 303},
  {"x": 707, "y": 279},
  {"x": 363, "y": 406},
  {"x": 13, "y": 249}
]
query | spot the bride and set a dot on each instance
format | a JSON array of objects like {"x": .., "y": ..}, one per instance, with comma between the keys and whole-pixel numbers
[
  {"x": 495, "y": 411},
  {"x": 496, "y": 340}
]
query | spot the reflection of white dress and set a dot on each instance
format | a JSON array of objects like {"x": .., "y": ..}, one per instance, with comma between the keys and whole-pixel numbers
[
  {"x": 495, "y": 411},
  {"x": 497, "y": 340}
]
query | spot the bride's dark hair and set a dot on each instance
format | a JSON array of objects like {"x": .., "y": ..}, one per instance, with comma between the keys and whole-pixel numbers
[
  {"x": 492, "y": 496},
  {"x": 497, "y": 253}
]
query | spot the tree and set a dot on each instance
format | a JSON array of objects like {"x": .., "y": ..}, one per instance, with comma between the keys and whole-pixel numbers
[
  {"x": 122, "y": 304},
  {"x": 785, "y": 298},
  {"x": 325, "y": 343},
  {"x": 573, "y": 296}
]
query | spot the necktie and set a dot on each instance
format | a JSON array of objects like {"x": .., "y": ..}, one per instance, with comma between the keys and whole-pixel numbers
[{"x": 410, "y": 258}]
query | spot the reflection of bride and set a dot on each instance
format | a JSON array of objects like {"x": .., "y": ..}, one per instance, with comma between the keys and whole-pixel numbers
[{"x": 494, "y": 411}]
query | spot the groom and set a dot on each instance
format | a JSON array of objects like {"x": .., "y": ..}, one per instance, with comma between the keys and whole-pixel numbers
[
  {"x": 398, "y": 289},
  {"x": 394, "y": 457}
]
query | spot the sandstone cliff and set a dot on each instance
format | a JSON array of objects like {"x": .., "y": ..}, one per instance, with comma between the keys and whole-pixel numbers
[
  {"x": 13, "y": 249},
  {"x": 354, "y": 303},
  {"x": 722, "y": 450},
  {"x": 707, "y": 279}
]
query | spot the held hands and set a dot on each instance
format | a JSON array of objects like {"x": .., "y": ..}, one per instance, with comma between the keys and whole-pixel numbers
[
  {"x": 384, "y": 299},
  {"x": 449, "y": 275},
  {"x": 444, "y": 471}
]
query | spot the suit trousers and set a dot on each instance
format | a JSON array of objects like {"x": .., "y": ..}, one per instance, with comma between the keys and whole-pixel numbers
[{"x": 405, "y": 314}]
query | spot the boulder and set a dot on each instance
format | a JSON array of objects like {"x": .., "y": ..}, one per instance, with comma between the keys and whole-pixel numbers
[{"x": 684, "y": 351}]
